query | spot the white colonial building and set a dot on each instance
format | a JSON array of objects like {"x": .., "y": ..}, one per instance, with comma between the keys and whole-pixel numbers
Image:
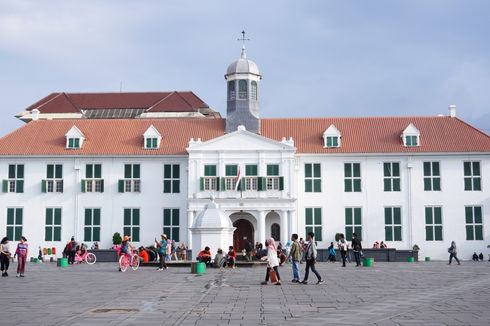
[{"x": 141, "y": 164}]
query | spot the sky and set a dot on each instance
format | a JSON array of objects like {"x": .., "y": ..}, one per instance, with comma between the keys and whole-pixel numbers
[{"x": 317, "y": 58}]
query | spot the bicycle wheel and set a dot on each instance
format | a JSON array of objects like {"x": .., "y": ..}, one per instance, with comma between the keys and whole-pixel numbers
[
  {"x": 123, "y": 263},
  {"x": 90, "y": 259},
  {"x": 135, "y": 263}
]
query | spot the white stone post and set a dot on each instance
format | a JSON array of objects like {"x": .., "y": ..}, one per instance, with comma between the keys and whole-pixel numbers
[
  {"x": 284, "y": 227},
  {"x": 190, "y": 220},
  {"x": 261, "y": 227}
]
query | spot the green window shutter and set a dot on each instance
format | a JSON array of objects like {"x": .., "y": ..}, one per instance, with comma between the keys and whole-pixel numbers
[
  {"x": 428, "y": 215},
  {"x": 175, "y": 217},
  {"x": 388, "y": 233},
  {"x": 398, "y": 233},
  {"x": 436, "y": 184},
  {"x": 97, "y": 171},
  {"x": 318, "y": 233},
  {"x": 176, "y": 186},
  {"x": 120, "y": 185},
  {"x": 387, "y": 184},
  {"x": 222, "y": 184},
  {"x": 136, "y": 216},
  {"x": 43, "y": 186},
  {"x": 136, "y": 234},
  {"x": 148, "y": 142},
  {"x": 427, "y": 169},
  {"x": 96, "y": 214},
  {"x": 58, "y": 171},
  {"x": 308, "y": 216},
  {"x": 96, "y": 234},
  {"x": 251, "y": 170},
  {"x": 357, "y": 170},
  {"x": 48, "y": 233},
  {"x": 167, "y": 171},
  {"x": 476, "y": 168},
  {"x": 348, "y": 233},
  {"x": 318, "y": 216},
  {"x": 57, "y": 233},
  {"x": 476, "y": 184},
  {"x": 176, "y": 171},
  {"x": 136, "y": 171},
  {"x": 397, "y": 215},
  {"x": 469, "y": 214},
  {"x": 396, "y": 169},
  {"x": 167, "y": 217},
  {"x": 18, "y": 216},
  {"x": 70, "y": 143},
  {"x": 127, "y": 217},
  {"x": 89, "y": 173},
  {"x": 210, "y": 170},
  {"x": 5, "y": 186},
  {"x": 396, "y": 184},
  {"x": 12, "y": 174},
  {"x": 357, "y": 185},
  {"x": 201, "y": 184},
  {"x": 388, "y": 216},
  {"x": 10, "y": 216},
  {"x": 427, "y": 184},
  {"x": 386, "y": 169},
  {"x": 437, "y": 215},
  {"x": 83, "y": 185},
  {"x": 347, "y": 170},
  {"x": 10, "y": 232},
  {"x": 88, "y": 216},
  {"x": 281, "y": 183},
  {"x": 87, "y": 234},
  {"x": 469, "y": 232},
  {"x": 50, "y": 171},
  {"x": 467, "y": 184},
  {"x": 308, "y": 171},
  {"x": 77, "y": 143},
  {"x": 101, "y": 185},
  {"x": 317, "y": 185},
  {"x": 348, "y": 185},
  {"x": 57, "y": 216},
  {"x": 477, "y": 215},
  {"x": 308, "y": 185},
  {"x": 127, "y": 171},
  {"x": 20, "y": 171},
  {"x": 435, "y": 169},
  {"x": 19, "y": 187},
  {"x": 317, "y": 170},
  {"x": 231, "y": 170},
  {"x": 467, "y": 168},
  {"x": 438, "y": 232},
  {"x": 272, "y": 170},
  {"x": 348, "y": 216},
  {"x": 357, "y": 216},
  {"x": 167, "y": 186},
  {"x": 261, "y": 186},
  {"x": 478, "y": 232},
  {"x": 127, "y": 231},
  {"x": 175, "y": 234}
]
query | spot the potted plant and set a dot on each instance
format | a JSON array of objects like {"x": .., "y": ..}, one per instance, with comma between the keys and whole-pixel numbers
[{"x": 116, "y": 239}]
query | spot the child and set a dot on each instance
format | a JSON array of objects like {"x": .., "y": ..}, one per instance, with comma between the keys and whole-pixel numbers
[{"x": 21, "y": 253}]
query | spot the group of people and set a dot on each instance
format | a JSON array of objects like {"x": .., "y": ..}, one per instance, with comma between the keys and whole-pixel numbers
[
  {"x": 379, "y": 245},
  {"x": 220, "y": 260},
  {"x": 478, "y": 257},
  {"x": 21, "y": 253}
]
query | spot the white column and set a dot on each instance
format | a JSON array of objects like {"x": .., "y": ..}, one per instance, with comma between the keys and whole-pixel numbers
[
  {"x": 290, "y": 222},
  {"x": 261, "y": 227},
  {"x": 190, "y": 220},
  {"x": 284, "y": 227}
]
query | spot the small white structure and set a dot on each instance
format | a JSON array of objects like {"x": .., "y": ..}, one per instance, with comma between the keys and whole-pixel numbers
[{"x": 211, "y": 228}]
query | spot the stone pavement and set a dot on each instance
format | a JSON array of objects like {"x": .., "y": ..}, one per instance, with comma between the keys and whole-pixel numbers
[{"x": 424, "y": 293}]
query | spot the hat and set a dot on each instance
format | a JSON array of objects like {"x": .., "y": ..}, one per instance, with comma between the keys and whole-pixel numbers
[
  {"x": 164, "y": 236},
  {"x": 126, "y": 238}
]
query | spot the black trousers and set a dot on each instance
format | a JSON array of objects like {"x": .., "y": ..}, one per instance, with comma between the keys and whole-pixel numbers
[
  {"x": 71, "y": 257},
  {"x": 310, "y": 263},
  {"x": 267, "y": 274},
  {"x": 357, "y": 255},
  {"x": 162, "y": 261},
  {"x": 343, "y": 254},
  {"x": 5, "y": 262},
  {"x": 451, "y": 258}
]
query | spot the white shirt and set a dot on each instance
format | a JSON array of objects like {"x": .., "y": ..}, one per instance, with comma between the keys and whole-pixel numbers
[{"x": 272, "y": 259}]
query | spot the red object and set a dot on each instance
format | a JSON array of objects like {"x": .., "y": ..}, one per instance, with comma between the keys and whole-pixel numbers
[
  {"x": 53, "y": 250},
  {"x": 143, "y": 254},
  {"x": 204, "y": 254},
  {"x": 272, "y": 275}
]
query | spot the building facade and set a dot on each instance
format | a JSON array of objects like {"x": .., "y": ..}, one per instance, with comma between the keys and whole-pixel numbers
[{"x": 142, "y": 164}]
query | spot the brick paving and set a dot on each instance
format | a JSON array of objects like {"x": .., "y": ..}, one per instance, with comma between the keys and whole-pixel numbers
[{"x": 424, "y": 293}]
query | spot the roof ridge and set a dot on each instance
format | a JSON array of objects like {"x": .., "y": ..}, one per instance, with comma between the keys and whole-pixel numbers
[
  {"x": 183, "y": 98},
  {"x": 472, "y": 127},
  {"x": 43, "y": 104},
  {"x": 68, "y": 99},
  {"x": 360, "y": 118},
  {"x": 159, "y": 101}
]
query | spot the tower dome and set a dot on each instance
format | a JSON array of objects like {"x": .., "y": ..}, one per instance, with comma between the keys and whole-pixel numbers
[{"x": 243, "y": 66}]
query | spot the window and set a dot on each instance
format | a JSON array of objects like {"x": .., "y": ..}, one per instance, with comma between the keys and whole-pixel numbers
[
  {"x": 352, "y": 177},
  {"x": 276, "y": 232},
  {"x": 313, "y": 180},
  {"x": 250, "y": 177},
  {"x": 472, "y": 176},
  {"x": 313, "y": 221},
  {"x": 391, "y": 179},
  {"x": 73, "y": 143},
  {"x": 272, "y": 181},
  {"x": 474, "y": 223},
  {"x": 132, "y": 223},
  {"x": 433, "y": 223},
  {"x": 411, "y": 141},
  {"x": 231, "y": 172},
  {"x": 332, "y": 141},
  {"x": 393, "y": 224},
  {"x": 210, "y": 181},
  {"x": 242, "y": 89},
  {"x": 253, "y": 90},
  {"x": 231, "y": 90},
  {"x": 171, "y": 178},
  {"x": 151, "y": 143},
  {"x": 171, "y": 223},
  {"x": 14, "y": 223},
  {"x": 53, "y": 224},
  {"x": 54, "y": 178},
  {"x": 92, "y": 224},
  {"x": 353, "y": 222},
  {"x": 131, "y": 181},
  {"x": 432, "y": 176},
  {"x": 15, "y": 181},
  {"x": 93, "y": 181}
]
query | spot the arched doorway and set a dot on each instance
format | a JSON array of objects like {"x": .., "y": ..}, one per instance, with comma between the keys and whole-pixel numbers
[
  {"x": 276, "y": 232},
  {"x": 243, "y": 234}
]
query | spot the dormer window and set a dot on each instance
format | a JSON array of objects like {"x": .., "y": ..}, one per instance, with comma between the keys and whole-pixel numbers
[
  {"x": 74, "y": 138},
  {"x": 331, "y": 137},
  {"x": 411, "y": 136},
  {"x": 152, "y": 138}
]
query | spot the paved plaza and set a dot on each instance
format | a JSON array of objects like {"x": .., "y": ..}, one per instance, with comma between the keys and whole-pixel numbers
[{"x": 424, "y": 293}]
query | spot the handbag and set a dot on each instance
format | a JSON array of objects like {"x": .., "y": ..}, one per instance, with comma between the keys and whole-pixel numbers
[{"x": 272, "y": 275}]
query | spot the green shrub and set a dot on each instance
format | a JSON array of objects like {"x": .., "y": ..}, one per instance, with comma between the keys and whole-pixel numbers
[{"x": 116, "y": 239}]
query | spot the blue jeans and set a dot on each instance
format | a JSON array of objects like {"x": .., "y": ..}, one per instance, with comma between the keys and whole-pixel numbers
[{"x": 295, "y": 265}]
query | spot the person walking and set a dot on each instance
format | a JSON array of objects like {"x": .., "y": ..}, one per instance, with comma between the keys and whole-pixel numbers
[
  {"x": 342, "y": 244},
  {"x": 272, "y": 261},
  {"x": 310, "y": 254},
  {"x": 453, "y": 253},
  {"x": 162, "y": 252},
  {"x": 5, "y": 256},
  {"x": 295, "y": 256},
  {"x": 73, "y": 249},
  {"x": 357, "y": 248},
  {"x": 21, "y": 253}
]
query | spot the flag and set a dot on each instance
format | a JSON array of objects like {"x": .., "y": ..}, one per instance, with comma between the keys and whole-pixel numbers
[{"x": 238, "y": 179}]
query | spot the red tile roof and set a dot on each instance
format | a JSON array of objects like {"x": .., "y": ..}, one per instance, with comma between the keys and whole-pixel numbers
[
  {"x": 359, "y": 135},
  {"x": 163, "y": 102}
]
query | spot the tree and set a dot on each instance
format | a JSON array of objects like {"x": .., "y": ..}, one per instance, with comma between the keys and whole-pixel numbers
[{"x": 116, "y": 239}]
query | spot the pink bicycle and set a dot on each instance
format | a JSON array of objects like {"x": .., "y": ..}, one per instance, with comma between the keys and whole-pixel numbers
[
  {"x": 87, "y": 257},
  {"x": 127, "y": 260}
]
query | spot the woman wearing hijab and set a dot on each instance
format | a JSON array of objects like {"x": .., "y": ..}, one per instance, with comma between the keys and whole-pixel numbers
[{"x": 272, "y": 261}]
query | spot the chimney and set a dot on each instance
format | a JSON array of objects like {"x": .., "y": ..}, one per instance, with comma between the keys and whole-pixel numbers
[
  {"x": 35, "y": 114},
  {"x": 452, "y": 111}
]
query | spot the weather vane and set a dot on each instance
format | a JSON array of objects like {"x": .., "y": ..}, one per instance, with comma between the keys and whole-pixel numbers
[{"x": 243, "y": 39}]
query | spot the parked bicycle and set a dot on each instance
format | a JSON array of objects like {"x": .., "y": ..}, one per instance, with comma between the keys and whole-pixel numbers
[
  {"x": 127, "y": 260},
  {"x": 86, "y": 257}
]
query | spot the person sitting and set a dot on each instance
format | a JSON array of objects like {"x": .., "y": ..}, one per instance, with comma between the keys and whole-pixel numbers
[
  {"x": 383, "y": 245},
  {"x": 219, "y": 259},
  {"x": 231, "y": 257},
  {"x": 183, "y": 251},
  {"x": 480, "y": 256},
  {"x": 204, "y": 256},
  {"x": 475, "y": 257},
  {"x": 331, "y": 253},
  {"x": 143, "y": 255},
  {"x": 83, "y": 249},
  {"x": 376, "y": 245},
  {"x": 282, "y": 257}
]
